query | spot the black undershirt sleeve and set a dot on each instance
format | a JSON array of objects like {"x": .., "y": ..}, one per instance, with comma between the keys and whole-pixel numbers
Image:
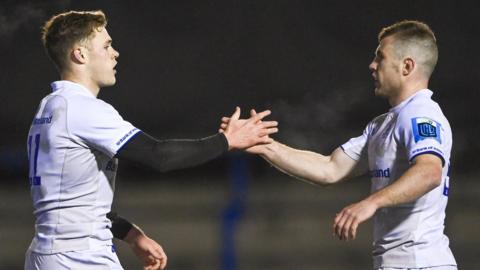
[
  {"x": 120, "y": 226},
  {"x": 167, "y": 155}
]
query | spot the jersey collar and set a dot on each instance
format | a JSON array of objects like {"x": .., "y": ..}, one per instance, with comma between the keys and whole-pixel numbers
[
  {"x": 80, "y": 89},
  {"x": 424, "y": 94}
]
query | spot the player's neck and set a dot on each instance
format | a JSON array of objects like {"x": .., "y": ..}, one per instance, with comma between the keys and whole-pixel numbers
[
  {"x": 85, "y": 81},
  {"x": 406, "y": 92}
]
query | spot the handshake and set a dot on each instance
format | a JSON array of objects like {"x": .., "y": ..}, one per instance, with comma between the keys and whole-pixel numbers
[{"x": 250, "y": 134}]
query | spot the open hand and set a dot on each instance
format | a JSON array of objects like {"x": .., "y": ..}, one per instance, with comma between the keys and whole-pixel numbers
[{"x": 244, "y": 133}]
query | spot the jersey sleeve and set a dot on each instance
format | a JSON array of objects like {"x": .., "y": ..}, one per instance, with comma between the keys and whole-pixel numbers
[
  {"x": 100, "y": 126},
  {"x": 421, "y": 132},
  {"x": 355, "y": 147}
]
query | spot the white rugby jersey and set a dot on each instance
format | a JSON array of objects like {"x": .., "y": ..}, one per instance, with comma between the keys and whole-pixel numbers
[
  {"x": 71, "y": 144},
  {"x": 409, "y": 235}
]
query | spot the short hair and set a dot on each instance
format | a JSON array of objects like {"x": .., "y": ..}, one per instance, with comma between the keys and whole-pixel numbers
[
  {"x": 63, "y": 30},
  {"x": 416, "y": 39}
]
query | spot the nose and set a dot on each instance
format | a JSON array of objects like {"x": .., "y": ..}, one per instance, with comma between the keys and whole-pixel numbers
[
  {"x": 373, "y": 66},
  {"x": 116, "y": 54}
]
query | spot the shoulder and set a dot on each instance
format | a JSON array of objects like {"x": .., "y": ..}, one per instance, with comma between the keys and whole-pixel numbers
[
  {"x": 421, "y": 109},
  {"x": 86, "y": 112},
  {"x": 87, "y": 106},
  {"x": 422, "y": 117}
]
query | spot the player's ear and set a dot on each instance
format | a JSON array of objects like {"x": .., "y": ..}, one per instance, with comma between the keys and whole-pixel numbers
[
  {"x": 408, "y": 66},
  {"x": 78, "y": 55}
]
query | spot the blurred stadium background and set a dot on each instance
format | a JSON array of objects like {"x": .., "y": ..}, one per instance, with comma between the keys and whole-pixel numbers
[{"x": 184, "y": 64}]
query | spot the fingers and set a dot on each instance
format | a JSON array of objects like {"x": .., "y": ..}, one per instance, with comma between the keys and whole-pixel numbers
[
  {"x": 347, "y": 233},
  {"x": 259, "y": 116},
  {"x": 236, "y": 114},
  {"x": 158, "y": 255},
  {"x": 225, "y": 119},
  {"x": 267, "y": 131},
  {"x": 244, "y": 133},
  {"x": 353, "y": 230},
  {"x": 345, "y": 225},
  {"x": 161, "y": 256},
  {"x": 155, "y": 264},
  {"x": 268, "y": 124},
  {"x": 266, "y": 140},
  {"x": 338, "y": 224},
  {"x": 163, "y": 263},
  {"x": 152, "y": 264}
]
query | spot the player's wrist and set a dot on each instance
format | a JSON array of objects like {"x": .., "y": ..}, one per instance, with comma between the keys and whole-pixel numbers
[
  {"x": 133, "y": 235},
  {"x": 272, "y": 149},
  {"x": 225, "y": 140},
  {"x": 230, "y": 140},
  {"x": 376, "y": 201}
]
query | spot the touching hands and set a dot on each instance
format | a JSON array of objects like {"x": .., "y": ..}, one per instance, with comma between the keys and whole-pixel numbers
[
  {"x": 147, "y": 250},
  {"x": 245, "y": 133},
  {"x": 346, "y": 222}
]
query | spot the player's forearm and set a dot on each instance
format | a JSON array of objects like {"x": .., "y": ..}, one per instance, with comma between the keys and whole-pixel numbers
[
  {"x": 415, "y": 182},
  {"x": 167, "y": 155},
  {"x": 304, "y": 165}
]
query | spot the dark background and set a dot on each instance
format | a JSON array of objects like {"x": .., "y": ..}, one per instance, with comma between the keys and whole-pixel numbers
[{"x": 184, "y": 64}]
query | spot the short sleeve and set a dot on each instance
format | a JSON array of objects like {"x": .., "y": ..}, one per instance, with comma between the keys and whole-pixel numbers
[
  {"x": 98, "y": 125},
  {"x": 421, "y": 132},
  {"x": 355, "y": 147}
]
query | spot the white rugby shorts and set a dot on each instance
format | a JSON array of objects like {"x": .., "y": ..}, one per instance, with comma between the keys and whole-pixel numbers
[{"x": 100, "y": 259}]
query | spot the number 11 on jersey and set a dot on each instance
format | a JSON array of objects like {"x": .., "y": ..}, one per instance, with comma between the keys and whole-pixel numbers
[{"x": 33, "y": 178}]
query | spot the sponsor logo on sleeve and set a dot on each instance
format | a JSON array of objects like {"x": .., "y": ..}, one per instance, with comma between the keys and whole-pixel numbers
[
  {"x": 126, "y": 136},
  {"x": 425, "y": 128}
]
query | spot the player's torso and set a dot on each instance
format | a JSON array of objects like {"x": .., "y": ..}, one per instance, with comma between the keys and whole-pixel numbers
[
  {"x": 387, "y": 159},
  {"x": 71, "y": 184},
  {"x": 411, "y": 230}
]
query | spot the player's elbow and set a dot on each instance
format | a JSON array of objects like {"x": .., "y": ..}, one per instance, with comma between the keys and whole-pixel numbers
[
  {"x": 162, "y": 166},
  {"x": 437, "y": 177},
  {"x": 434, "y": 176},
  {"x": 429, "y": 167},
  {"x": 327, "y": 178}
]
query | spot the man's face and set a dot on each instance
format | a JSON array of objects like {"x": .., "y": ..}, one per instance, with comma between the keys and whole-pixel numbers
[
  {"x": 102, "y": 58},
  {"x": 386, "y": 69}
]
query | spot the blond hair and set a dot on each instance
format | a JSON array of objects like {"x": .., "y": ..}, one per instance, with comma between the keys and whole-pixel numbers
[{"x": 64, "y": 30}]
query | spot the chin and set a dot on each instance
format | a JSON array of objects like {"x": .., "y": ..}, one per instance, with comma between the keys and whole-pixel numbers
[
  {"x": 379, "y": 92},
  {"x": 112, "y": 80},
  {"x": 108, "y": 83}
]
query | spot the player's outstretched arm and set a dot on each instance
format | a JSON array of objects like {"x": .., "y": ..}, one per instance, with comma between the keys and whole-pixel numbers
[
  {"x": 166, "y": 155},
  {"x": 307, "y": 165},
  {"x": 304, "y": 165},
  {"x": 147, "y": 250},
  {"x": 423, "y": 176}
]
